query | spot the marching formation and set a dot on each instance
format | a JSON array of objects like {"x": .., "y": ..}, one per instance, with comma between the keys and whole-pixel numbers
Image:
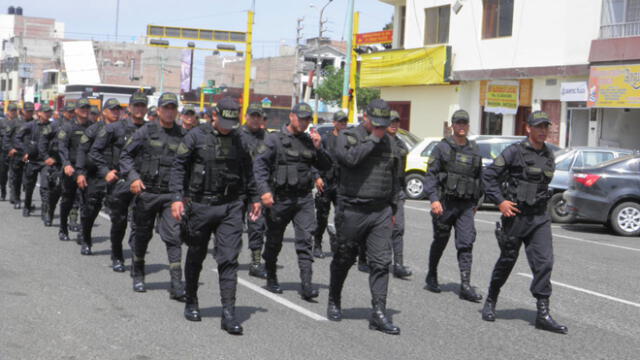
[{"x": 195, "y": 182}]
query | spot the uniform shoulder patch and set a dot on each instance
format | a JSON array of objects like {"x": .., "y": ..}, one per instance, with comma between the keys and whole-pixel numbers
[
  {"x": 351, "y": 139},
  {"x": 182, "y": 149},
  {"x": 261, "y": 149},
  {"x": 499, "y": 161},
  {"x": 62, "y": 134},
  {"x": 102, "y": 132},
  {"x": 84, "y": 139}
]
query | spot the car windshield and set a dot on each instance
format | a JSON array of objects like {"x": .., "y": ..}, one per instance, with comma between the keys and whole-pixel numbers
[
  {"x": 491, "y": 149},
  {"x": 410, "y": 139}
]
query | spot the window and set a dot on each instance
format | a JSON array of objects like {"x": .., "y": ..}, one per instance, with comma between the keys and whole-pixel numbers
[
  {"x": 564, "y": 163},
  {"x": 3, "y": 85},
  {"x": 497, "y": 18},
  {"x": 491, "y": 123},
  {"x": 620, "y": 18},
  {"x": 427, "y": 151},
  {"x": 10, "y": 84},
  {"x": 592, "y": 158},
  {"x": 436, "y": 25}
]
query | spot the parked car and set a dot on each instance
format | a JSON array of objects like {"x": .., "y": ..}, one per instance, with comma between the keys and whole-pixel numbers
[
  {"x": 567, "y": 160},
  {"x": 490, "y": 146},
  {"x": 608, "y": 193}
]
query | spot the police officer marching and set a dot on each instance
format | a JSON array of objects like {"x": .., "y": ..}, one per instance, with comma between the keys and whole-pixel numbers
[
  {"x": 15, "y": 153},
  {"x": 146, "y": 162},
  {"x": 253, "y": 134},
  {"x": 105, "y": 153},
  {"x": 367, "y": 198},
  {"x": 453, "y": 185},
  {"x": 213, "y": 170},
  {"x": 526, "y": 169},
  {"x": 51, "y": 173},
  {"x": 282, "y": 170}
]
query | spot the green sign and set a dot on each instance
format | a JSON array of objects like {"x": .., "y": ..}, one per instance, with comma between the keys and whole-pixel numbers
[
  {"x": 214, "y": 91},
  {"x": 211, "y": 83}
]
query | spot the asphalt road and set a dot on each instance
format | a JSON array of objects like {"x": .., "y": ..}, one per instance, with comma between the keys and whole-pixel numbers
[{"x": 57, "y": 304}]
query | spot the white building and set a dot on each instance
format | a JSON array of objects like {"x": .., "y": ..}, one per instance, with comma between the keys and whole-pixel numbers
[{"x": 525, "y": 48}]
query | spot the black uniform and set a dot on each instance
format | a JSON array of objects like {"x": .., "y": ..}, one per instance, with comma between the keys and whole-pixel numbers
[
  {"x": 366, "y": 203},
  {"x": 105, "y": 153},
  {"x": 214, "y": 172},
  {"x": 16, "y": 165},
  {"x": 522, "y": 174},
  {"x": 283, "y": 168},
  {"x": 50, "y": 176},
  {"x": 69, "y": 137},
  {"x": 454, "y": 179},
  {"x": 4, "y": 161},
  {"x": 148, "y": 156},
  {"x": 27, "y": 143},
  {"x": 96, "y": 185},
  {"x": 400, "y": 152},
  {"x": 324, "y": 199}
]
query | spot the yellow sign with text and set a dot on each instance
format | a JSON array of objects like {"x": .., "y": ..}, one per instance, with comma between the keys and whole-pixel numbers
[
  {"x": 614, "y": 86},
  {"x": 424, "y": 66},
  {"x": 502, "y": 97}
]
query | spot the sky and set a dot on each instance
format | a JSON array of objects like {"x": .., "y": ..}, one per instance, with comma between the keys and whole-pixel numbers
[{"x": 275, "y": 20}]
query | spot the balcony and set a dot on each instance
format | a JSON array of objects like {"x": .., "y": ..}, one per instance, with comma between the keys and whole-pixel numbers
[{"x": 621, "y": 30}]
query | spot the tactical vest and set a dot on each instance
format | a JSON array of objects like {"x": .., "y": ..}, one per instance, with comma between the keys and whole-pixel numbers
[
  {"x": 373, "y": 177},
  {"x": 89, "y": 165},
  {"x": 333, "y": 174},
  {"x": 216, "y": 169},
  {"x": 156, "y": 160},
  {"x": 77, "y": 130},
  {"x": 531, "y": 186},
  {"x": 255, "y": 140},
  {"x": 52, "y": 149},
  {"x": 460, "y": 176},
  {"x": 112, "y": 151},
  {"x": 295, "y": 157}
]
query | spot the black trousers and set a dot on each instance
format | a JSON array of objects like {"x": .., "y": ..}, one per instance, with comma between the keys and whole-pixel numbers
[
  {"x": 118, "y": 200},
  {"x": 4, "y": 172},
  {"x": 15, "y": 177},
  {"x": 323, "y": 208},
  {"x": 397, "y": 234},
  {"x": 50, "y": 188},
  {"x": 357, "y": 226},
  {"x": 147, "y": 207},
  {"x": 224, "y": 221},
  {"x": 458, "y": 214},
  {"x": 31, "y": 171},
  {"x": 67, "y": 199},
  {"x": 255, "y": 230},
  {"x": 534, "y": 231},
  {"x": 296, "y": 209},
  {"x": 93, "y": 196}
]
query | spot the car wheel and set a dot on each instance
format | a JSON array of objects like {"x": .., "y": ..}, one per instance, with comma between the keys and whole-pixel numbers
[
  {"x": 625, "y": 219},
  {"x": 414, "y": 187},
  {"x": 558, "y": 209}
]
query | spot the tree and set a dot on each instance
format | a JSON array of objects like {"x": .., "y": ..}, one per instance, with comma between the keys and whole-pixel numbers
[{"x": 330, "y": 90}]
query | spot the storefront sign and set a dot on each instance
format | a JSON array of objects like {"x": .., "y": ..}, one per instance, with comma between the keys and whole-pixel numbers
[
  {"x": 377, "y": 37},
  {"x": 502, "y": 97},
  {"x": 573, "y": 91},
  {"x": 614, "y": 86}
]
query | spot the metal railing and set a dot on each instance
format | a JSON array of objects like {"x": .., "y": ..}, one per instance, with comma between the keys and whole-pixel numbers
[{"x": 620, "y": 30}]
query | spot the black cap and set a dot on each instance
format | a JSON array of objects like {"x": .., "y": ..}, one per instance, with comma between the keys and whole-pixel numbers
[
  {"x": 228, "y": 113},
  {"x": 45, "y": 108},
  {"x": 112, "y": 103},
  {"x": 340, "y": 116},
  {"x": 460, "y": 116},
  {"x": 255, "y": 109},
  {"x": 379, "y": 112},
  {"x": 94, "y": 110},
  {"x": 84, "y": 102},
  {"x": 153, "y": 111},
  {"x": 167, "y": 99},
  {"x": 302, "y": 110},
  {"x": 138, "y": 98},
  {"x": 12, "y": 107},
  {"x": 69, "y": 106},
  {"x": 394, "y": 116},
  {"x": 28, "y": 106},
  {"x": 188, "y": 108},
  {"x": 537, "y": 118}
]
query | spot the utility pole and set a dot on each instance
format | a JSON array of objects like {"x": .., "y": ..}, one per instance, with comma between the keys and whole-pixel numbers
[
  {"x": 117, "y": 17},
  {"x": 317, "y": 70},
  {"x": 246, "y": 95},
  {"x": 347, "y": 66},
  {"x": 296, "y": 75}
]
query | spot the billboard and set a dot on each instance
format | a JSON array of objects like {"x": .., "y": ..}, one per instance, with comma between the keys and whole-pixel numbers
[{"x": 614, "y": 86}]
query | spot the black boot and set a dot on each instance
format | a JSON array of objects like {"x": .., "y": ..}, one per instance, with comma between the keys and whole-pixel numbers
[
  {"x": 544, "y": 321},
  {"x": 17, "y": 205},
  {"x": 191, "y": 309},
  {"x": 256, "y": 268},
  {"x": 317, "y": 249},
  {"x": 229, "y": 323},
  {"x": 117, "y": 265},
  {"x": 63, "y": 235},
  {"x": 467, "y": 292},
  {"x": 379, "y": 320},
  {"x": 137, "y": 273},
  {"x": 432, "y": 282},
  {"x": 489, "y": 309},
  {"x": 306, "y": 288},
  {"x": 176, "y": 291},
  {"x": 401, "y": 271},
  {"x": 85, "y": 249},
  {"x": 73, "y": 220},
  {"x": 334, "y": 310},
  {"x": 362, "y": 265},
  {"x": 272, "y": 279},
  {"x": 26, "y": 212}
]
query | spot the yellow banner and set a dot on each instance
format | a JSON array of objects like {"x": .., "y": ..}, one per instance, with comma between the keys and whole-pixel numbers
[
  {"x": 614, "y": 86},
  {"x": 502, "y": 97},
  {"x": 425, "y": 66}
]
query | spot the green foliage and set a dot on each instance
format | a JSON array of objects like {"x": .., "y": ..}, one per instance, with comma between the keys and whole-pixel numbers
[{"x": 330, "y": 90}]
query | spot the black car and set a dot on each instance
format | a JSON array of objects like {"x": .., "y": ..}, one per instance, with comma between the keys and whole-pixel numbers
[{"x": 608, "y": 193}]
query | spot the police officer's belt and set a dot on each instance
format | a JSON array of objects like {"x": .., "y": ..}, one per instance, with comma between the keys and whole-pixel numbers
[{"x": 214, "y": 199}]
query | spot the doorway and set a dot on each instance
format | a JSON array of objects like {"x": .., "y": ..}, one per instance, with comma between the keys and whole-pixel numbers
[{"x": 404, "y": 109}]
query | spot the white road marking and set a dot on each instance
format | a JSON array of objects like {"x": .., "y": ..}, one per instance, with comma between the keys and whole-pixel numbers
[
  {"x": 279, "y": 299},
  {"x": 554, "y": 235},
  {"x": 604, "y": 296}
]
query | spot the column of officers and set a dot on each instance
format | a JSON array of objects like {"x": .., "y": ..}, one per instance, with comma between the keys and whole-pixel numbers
[{"x": 190, "y": 181}]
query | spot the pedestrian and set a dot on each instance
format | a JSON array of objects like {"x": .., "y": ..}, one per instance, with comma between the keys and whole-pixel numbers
[
  {"x": 214, "y": 169},
  {"x": 282, "y": 170},
  {"x": 146, "y": 162},
  {"x": 453, "y": 185},
  {"x": 105, "y": 153},
  {"x": 526, "y": 168},
  {"x": 367, "y": 202}
]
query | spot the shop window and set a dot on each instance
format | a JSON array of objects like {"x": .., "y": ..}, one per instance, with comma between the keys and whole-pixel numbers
[
  {"x": 10, "y": 84},
  {"x": 491, "y": 123},
  {"x": 436, "y": 25},
  {"x": 3, "y": 85},
  {"x": 497, "y": 18}
]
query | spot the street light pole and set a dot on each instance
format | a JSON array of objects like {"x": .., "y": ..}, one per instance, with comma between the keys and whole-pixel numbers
[{"x": 317, "y": 69}]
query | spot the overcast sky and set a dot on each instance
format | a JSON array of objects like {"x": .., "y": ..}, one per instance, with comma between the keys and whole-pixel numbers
[{"x": 275, "y": 20}]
